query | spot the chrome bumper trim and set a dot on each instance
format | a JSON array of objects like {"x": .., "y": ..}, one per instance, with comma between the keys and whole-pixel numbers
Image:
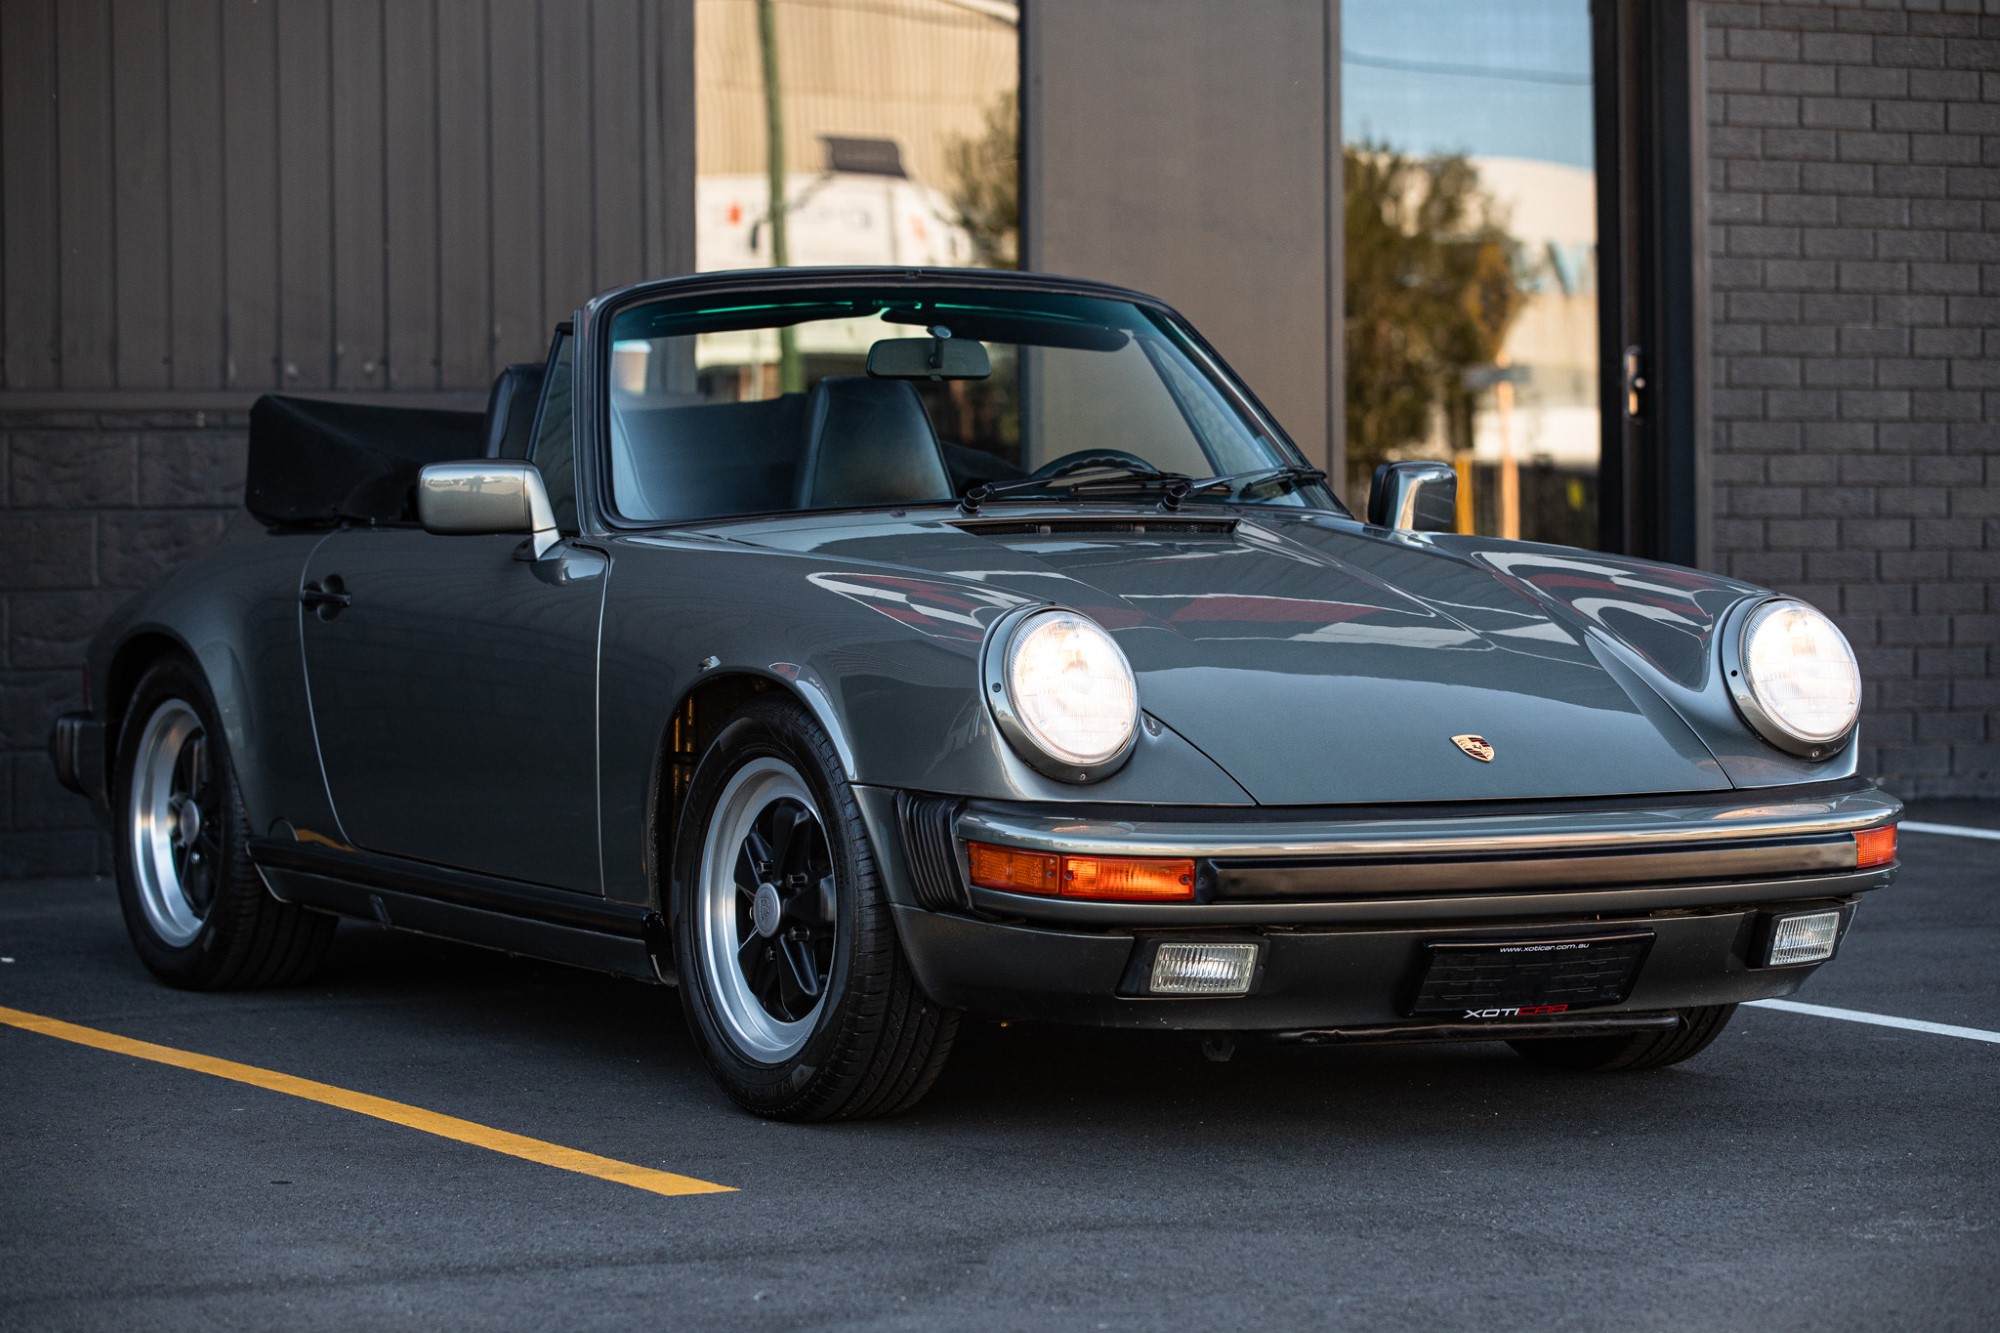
[
  {"x": 1554, "y": 904},
  {"x": 1550, "y": 832}
]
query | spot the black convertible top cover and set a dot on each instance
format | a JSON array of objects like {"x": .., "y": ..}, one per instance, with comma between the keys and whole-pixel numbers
[{"x": 314, "y": 462}]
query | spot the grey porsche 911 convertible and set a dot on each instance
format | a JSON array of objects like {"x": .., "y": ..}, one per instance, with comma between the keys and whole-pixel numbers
[{"x": 858, "y": 649}]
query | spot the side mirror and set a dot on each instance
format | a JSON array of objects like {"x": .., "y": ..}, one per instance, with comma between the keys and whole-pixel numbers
[
  {"x": 486, "y": 497},
  {"x": 1414, "y": 497}
]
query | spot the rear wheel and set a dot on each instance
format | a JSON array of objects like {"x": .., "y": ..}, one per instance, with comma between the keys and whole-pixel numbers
[
  {"x": 792, "y": 975},
  {"x": 198, "y": 914},
  {"x": 1645, "y": 1050}
]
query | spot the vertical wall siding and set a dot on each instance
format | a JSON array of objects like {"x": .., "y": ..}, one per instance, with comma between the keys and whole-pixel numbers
[
  {"x": 30, "y": 257},
  {"x": 197, "y": 293},
  {"x": 326, "y": 195}
]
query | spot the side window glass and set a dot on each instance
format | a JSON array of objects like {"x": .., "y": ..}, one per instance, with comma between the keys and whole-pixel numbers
[{"x": 555, "y": 442}]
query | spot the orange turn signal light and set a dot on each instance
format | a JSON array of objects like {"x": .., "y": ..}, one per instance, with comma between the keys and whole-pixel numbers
[
  {"x": 1123, "y": 878},
  {"x": 1875, "y": 846},
  {"x": 1015, "y": 871}
]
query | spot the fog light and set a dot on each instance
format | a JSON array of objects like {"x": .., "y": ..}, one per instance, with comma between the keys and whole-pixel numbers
[
  {"x": 1203, "y": 969},
  {"x": 1808, "y": 938}
]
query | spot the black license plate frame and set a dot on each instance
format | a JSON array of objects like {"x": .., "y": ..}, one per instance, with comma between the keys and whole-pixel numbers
[{"x": 1527, "y": 976}]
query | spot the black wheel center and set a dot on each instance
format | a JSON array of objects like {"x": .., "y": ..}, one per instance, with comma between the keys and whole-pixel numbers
[{"x": 785, "y": 910}]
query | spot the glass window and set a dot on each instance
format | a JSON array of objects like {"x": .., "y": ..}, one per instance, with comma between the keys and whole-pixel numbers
[
  {"x": 554, "y": 453},
  {"x": 710, "y": 418},
  {"x": 889, "y": 128},
  {"x": 1471, "y": 255}
]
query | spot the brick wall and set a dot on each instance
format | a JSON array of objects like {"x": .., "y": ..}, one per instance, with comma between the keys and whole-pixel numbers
[
  {"x": 93, "y": 506},
  {"x": 1854, "y": 260}
]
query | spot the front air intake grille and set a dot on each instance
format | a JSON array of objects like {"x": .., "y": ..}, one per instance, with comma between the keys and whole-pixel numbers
[{"x": 927, "y": 839}]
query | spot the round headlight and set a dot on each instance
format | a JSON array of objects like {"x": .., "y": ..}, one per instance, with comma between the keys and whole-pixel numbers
[
  {"x": 1795, "y": 677},
  {"x": 1066, "y": 696}
]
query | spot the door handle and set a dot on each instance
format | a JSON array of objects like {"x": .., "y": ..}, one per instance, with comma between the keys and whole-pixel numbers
[{"x": 328, "y": 597}]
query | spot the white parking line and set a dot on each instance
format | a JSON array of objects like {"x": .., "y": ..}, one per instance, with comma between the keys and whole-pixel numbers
[
  {"x": 1951, "y": 830},
  {"x": 1879, "y": 1020}
]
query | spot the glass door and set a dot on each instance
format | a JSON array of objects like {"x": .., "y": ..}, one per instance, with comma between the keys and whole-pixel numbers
[{"x": 1473, "y": 330}]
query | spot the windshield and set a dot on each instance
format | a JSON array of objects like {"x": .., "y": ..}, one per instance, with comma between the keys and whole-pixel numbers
[{"x": 855, "y": 398}]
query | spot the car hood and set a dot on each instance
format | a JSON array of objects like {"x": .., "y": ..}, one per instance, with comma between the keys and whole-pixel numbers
[{"x": 1322, "y": 662}]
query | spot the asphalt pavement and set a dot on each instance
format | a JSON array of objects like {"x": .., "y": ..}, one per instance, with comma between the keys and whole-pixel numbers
[{"x": 1803, "y": 1173}]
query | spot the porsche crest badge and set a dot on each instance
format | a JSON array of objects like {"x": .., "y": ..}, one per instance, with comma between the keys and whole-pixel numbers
[{"x": 1476, "y": 746}]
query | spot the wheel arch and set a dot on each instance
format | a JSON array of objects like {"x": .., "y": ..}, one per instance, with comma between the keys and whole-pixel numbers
[
  {"x": 130, "y": 661},
  {"x": 698, "y": 718}
]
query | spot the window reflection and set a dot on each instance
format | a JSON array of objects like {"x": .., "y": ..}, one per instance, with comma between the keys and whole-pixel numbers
[
  {"x": 1471, "y": 255},
  {"x": 891, "y": 125}
]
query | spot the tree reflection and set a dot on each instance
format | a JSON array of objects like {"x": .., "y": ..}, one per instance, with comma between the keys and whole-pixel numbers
[
  {"x": 1434, "y": 281},
  {"x": 986, "y": 183}
]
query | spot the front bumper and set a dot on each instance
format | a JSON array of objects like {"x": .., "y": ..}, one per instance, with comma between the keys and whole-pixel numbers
[{"x": 1343, "y": 909}]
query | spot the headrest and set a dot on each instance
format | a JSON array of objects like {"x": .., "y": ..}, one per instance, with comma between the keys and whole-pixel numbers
[
  {"x": 510, "y": 410},
  {"x": 869, "y": 441}
]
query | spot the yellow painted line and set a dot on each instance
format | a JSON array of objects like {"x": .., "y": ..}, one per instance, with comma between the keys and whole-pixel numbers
[{"x": 381, "y": 1108}]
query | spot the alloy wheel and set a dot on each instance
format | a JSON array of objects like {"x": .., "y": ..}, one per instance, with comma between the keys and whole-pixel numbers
[
  {"x": 175, "y": 814},
  {"x": 769, "y": 912}
]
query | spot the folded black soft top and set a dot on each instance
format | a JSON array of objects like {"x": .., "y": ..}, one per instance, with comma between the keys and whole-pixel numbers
[{"x": 314, "y": 462}]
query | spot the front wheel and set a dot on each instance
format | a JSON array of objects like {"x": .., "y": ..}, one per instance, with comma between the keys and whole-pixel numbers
[
  {"x": 1645, "y": 1050},
  {"x": 792, "y": 975}
]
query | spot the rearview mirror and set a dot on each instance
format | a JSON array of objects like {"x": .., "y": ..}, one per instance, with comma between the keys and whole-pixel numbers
[
  {"x": 486, "y": 497},
  {"x": 1414, "y": 497},
  {"x": 945, "y": 358}
]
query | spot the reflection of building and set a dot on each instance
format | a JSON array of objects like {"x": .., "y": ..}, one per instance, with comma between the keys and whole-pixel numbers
[
  {"x": 1536, "y": 430},
  {"x": 921, "y": 74},
  {"x": 834, "y": 218},
  {"x": 1551, "y": 212},
  {"x": 1537, "y": 434}
]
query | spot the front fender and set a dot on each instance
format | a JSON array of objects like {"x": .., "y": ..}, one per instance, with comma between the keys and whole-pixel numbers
[
  {"x": 1662, "y": 623},
  {"x": 888, "y": 664}
]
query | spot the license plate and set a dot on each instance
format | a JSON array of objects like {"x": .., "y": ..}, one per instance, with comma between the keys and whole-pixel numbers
[{"x": 1528, "y": 978}]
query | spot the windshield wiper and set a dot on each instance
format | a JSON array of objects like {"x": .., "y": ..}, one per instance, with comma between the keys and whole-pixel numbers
[
  {"x": 1175, "y": 486},
  {"x": 1288, "y": 477},
  {"x": 1112, "y": 477}
]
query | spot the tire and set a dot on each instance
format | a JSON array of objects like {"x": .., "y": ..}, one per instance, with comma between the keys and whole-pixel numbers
[
  {"x": 196, "y": 909},
  {"x": 1646, "y": 1050},
  {"x": 768, "y": 805}
]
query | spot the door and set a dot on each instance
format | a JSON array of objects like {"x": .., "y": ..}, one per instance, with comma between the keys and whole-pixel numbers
[
  {"x": 454, "y": 691},
  {"x": 455, "y": 697}
]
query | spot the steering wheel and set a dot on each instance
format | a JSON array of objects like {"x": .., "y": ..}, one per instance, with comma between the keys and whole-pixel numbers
[{"x": 1087, "y": 458}]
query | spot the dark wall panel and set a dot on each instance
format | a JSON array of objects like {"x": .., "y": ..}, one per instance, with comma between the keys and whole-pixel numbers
[
  {"x": 567, "y": 161},
  {"x": 515, "y": 164},
  {"x": 139, "y": 193},
  {"x": 29, "y": 258},
  {"x": 411, "y": 82},
  {"x": 197, "y": 294},
  {"x": 616, "y": 113},
  {"x": 360, "y": 324},
  {"x": 82, "y": 108},
  {"x": 465, "y": 230},
  {"x": 360, "y": 196},
  {"x": 305, "y": 199},
  {"x": 249, "y": 192},
  {"x": 1184, "y": 147}
]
